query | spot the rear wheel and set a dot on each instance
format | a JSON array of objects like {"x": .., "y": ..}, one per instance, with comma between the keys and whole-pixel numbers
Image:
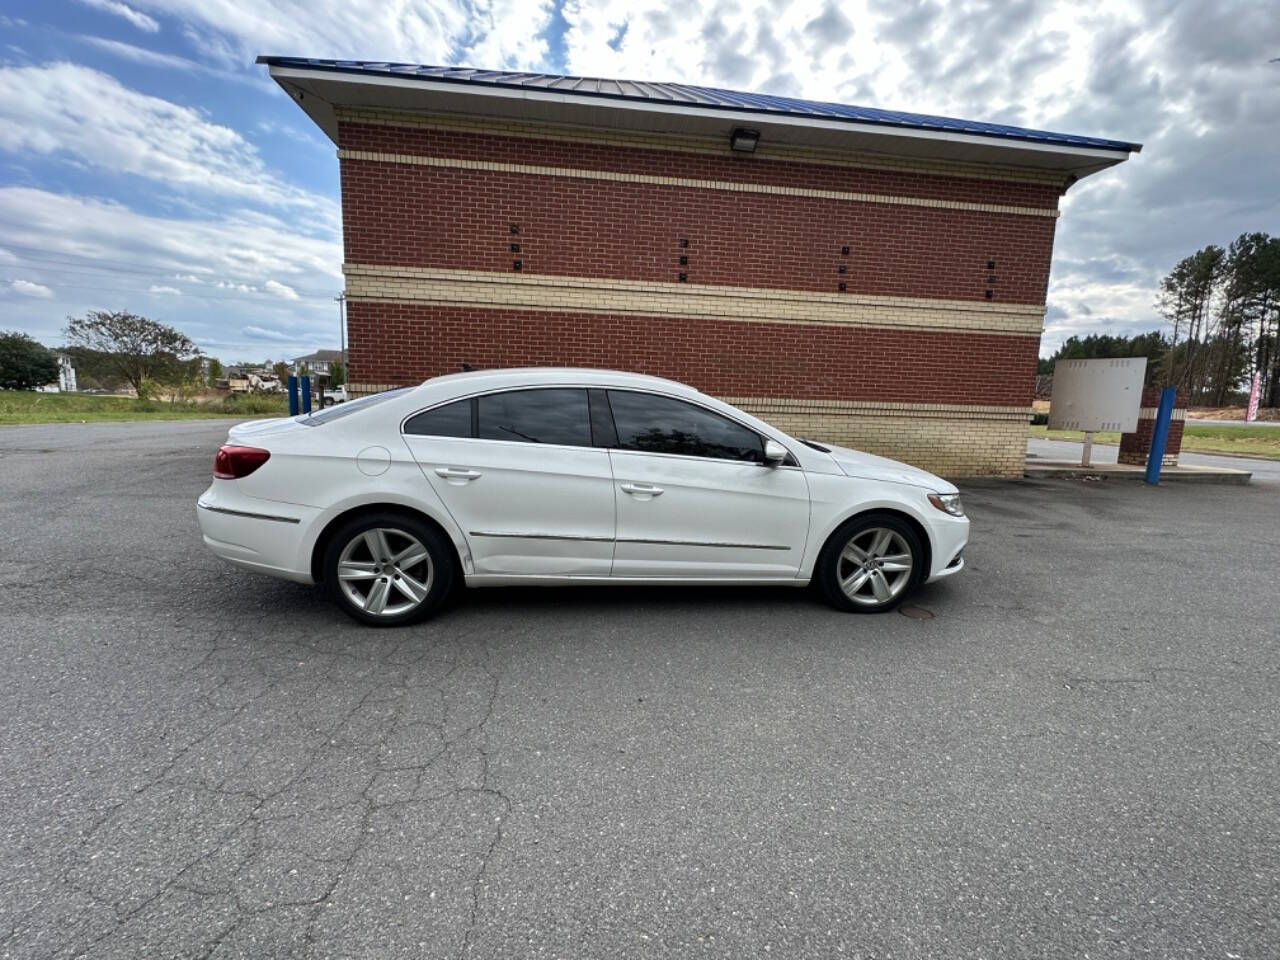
[
  {"x": 385, "y": 569},
  {"x": 870, "y": 564}
]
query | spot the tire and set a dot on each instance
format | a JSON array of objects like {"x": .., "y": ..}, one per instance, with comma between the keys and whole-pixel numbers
[
  {"x": 877, "y": 557},
  {"x": 368, "y": 588}
]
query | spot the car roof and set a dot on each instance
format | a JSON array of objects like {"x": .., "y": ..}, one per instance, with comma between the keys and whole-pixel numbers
[{"x": 539, "y": 376}]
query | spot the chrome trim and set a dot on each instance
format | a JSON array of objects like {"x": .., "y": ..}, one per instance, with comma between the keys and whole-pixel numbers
[
  {"x": 672, "y": 543},
  {"x": 537, "y": 536},
  {"x": 245, "y": 513},
  {"x": 571, "y": 579},
  {"x": 705, "y": 543}
]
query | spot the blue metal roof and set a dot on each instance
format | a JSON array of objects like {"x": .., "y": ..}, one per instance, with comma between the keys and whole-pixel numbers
[{"x": 689, "y": 96}]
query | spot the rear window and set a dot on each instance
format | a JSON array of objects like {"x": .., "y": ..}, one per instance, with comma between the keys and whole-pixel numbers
[
  {"x": 451, "y": 420},
  {"x": 351, "y": 406}
]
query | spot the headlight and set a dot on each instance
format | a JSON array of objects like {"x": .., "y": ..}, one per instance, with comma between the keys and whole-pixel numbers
[{"x": 947, "y": 503}]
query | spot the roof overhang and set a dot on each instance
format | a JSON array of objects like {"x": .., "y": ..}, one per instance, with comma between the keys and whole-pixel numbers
[{"x": 320, "y": 92}]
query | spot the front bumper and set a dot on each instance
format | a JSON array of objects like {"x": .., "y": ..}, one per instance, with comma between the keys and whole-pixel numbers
[
  {"x": 256, "y": 535},
  {"x": 950, "y": 537}
]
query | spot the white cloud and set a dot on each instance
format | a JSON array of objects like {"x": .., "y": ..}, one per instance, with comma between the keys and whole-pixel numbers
[
  {"x": 227, "y": 260},
  {"x": 265, "y": 333},
  {"x": 136, "y": 17},
  {"x": 281, "y": 290},
  {"x": 170, "y": 61},
  {"x": 90, "y": 118},
  {"x": 28, "y": 289},
  {"x": 232, "y": 32},
  {"x": 164, "y": 291},
  {"x": 6, "y": 256}
]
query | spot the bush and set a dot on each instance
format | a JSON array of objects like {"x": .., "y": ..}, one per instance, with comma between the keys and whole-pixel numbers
[
  {"x": 25, "y": 364},
  {"x": 256, "y": 404},
  {"x": 1040, "y": 419}
]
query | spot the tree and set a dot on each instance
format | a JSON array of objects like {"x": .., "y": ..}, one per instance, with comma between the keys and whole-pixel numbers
[
  {"x": 215, "y": 371},
  {"x": 1251, "y": 308},
  {"x": 281, "y": 370},
  {"x": 337, "y": 373},
  {"x": 1094, "y": 346},
  {"x": 1186, "y": 297},
  {"x": 136, "y": 347},
  {"x": 24, "y": 363}
]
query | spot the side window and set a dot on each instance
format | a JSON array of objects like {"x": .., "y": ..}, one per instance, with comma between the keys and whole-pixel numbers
[
  {"x": 536, "y": 416},
  {"x": 451, "y": 420},
  {"x": 663, "y": 425}
]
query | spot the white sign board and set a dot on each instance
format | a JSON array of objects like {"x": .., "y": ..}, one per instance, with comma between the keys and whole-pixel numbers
[{"x": 1097, "y": 395}]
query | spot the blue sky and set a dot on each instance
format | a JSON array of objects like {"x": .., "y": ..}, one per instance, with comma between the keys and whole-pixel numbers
[{"x": 147, "y": 163}]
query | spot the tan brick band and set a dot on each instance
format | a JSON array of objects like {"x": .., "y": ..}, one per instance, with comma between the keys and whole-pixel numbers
[
  {"x": 389, "y": 284},
  {"x": 732, "y": 186},
  {"x": 947, "y": 439},
  {"x": 950, "y": 440},
  {"x": 693, "y": 144}
]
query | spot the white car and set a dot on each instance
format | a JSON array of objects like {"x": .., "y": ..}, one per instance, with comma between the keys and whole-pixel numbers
[{"x": 567, "y": 476}]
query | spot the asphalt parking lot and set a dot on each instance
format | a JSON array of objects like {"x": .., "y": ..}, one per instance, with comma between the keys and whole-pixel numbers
[{"x": 1077, "y": 757}]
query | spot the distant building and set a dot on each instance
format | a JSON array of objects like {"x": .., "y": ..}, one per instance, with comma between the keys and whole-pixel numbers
[
  {"x": 66, "y": 382},
  {"x": 319, "y": 362}
]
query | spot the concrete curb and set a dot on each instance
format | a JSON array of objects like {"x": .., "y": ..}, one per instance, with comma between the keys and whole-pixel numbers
[{"x": 1048, "y": 470}]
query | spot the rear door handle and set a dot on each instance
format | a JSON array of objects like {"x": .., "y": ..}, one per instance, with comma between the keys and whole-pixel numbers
[
  {"x": 457, "y": 474},
  {"x": 642, "y": 489}
]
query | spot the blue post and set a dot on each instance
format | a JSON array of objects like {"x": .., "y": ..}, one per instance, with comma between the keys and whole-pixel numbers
[
  {"x": 1160, "y": 435},
  {"x": 293, "y": 395},
  {"x": 306, "y": 394}
]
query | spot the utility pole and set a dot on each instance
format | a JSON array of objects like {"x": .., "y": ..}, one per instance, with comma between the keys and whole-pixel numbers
[{"x": 341, "y": 299}]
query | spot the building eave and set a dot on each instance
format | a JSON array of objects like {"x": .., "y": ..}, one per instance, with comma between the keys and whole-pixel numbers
[{"x": 321, "y": 92}]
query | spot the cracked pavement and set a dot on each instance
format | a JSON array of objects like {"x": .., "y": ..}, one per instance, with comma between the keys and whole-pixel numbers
[{"x": 1076, "y": 757}]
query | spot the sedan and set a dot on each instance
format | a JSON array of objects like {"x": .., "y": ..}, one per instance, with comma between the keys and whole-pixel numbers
[{"x": 566, "y": 476}]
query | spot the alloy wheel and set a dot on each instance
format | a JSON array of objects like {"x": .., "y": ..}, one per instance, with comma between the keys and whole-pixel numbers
[
  {"x": 875, "y": 566},
  {"x": 385, "y": 572}
]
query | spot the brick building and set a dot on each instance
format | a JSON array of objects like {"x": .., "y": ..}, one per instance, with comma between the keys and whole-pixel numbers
[{"x": 876, "y": 279}]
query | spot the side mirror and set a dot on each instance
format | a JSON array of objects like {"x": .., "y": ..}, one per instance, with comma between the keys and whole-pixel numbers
[{"x": 774, "y": 453}]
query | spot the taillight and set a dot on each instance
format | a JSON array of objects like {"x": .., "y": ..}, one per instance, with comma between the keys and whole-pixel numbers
[{"x": 234, "y": 462}]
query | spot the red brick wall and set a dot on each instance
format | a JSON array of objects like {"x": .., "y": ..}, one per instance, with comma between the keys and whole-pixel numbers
[
  {"x": 405, "y": 215},
  {"x": 1136, "y": 446},
  {"x": 399, "y": 214},
  {"x": 734, "y": 167},
  {"x": 725, "y": 357}
]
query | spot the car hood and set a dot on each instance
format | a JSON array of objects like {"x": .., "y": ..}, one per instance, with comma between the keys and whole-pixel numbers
[{"x": 867, "y": 466}]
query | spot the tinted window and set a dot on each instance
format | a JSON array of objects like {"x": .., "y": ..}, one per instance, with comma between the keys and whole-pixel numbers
[
  {"x": 451, "y": 420},
  {"x": 663, "y": 425},
  {"x": 536, "y": 416},
  {"x": 352, "y": 406}
]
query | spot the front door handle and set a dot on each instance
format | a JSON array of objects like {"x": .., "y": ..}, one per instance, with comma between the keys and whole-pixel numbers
[
  {"x": 457, "y": 474},
  {"x": 642, "y": 490}
]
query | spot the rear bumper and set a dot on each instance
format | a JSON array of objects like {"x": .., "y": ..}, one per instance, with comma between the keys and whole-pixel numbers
[{"x": 257, "y": 535}]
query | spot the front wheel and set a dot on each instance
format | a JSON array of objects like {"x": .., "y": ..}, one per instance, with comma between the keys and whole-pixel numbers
[
  {"x": 870, "y": 564},
  {"x": 386, "y": 570}
]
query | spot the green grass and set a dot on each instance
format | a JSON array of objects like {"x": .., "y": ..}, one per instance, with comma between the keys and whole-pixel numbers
[
  {"x": 21, "y": 406},
  {"x": 1260, "y": 442}
]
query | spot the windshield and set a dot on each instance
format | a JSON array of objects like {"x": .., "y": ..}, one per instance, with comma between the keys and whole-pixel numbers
[{"x": 351, "y": 406}]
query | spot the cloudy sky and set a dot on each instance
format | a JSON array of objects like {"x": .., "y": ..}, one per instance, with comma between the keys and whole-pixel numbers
[{"x": 147, "y": 163}]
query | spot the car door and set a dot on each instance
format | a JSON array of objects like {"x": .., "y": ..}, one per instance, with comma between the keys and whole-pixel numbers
[
  {"x": 517, "y": 471},
  {"x": 694, "y": 498}
]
